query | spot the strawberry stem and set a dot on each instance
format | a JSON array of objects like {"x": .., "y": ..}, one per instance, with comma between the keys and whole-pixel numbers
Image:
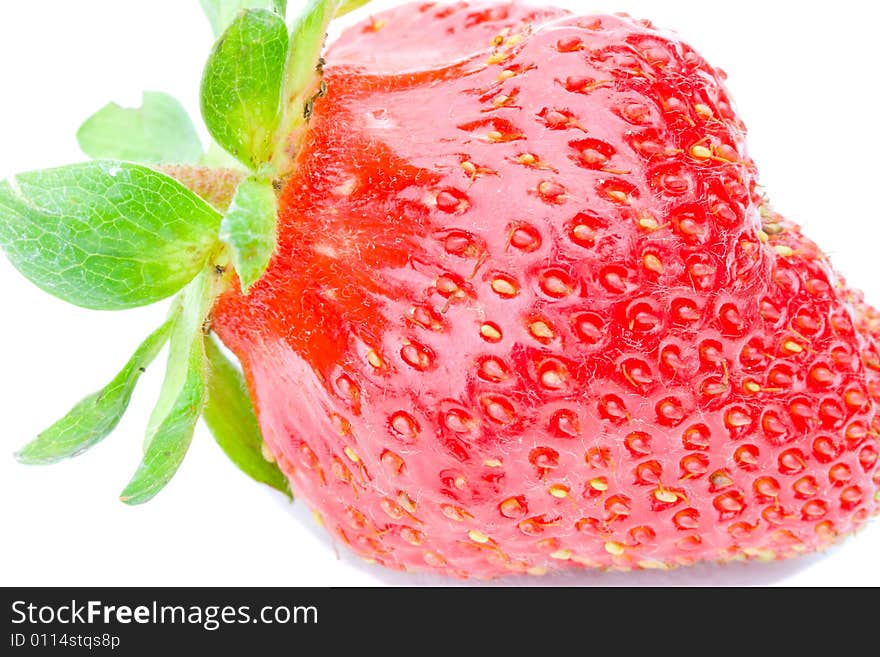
[{"x": 216, "y": 186}]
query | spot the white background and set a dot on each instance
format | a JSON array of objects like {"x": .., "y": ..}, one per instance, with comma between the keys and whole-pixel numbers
[{"x": 803, "y": 75}]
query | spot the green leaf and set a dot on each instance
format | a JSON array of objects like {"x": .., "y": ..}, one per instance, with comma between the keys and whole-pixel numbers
[
  {"x": 93, "y": 418},
  {"x": 249, "y": 229},
  {"x": 158, "y": 132},
  {"x": 221, "y": 13},
  {"x": 105, "y": 235},
  {"x": 241, "y": 86},
  {"x": 232, "y": 420},
  {"x": 170, "y": 429}
]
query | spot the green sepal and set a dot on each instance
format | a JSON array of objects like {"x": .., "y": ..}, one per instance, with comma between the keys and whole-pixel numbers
[
  {"x": 188, "y": 312},
  {"x": 230, "y": 416},
  {"x": 248, "y": 227},
  {"x": 172, "y": 423},
  {"x": 303, "y": 75},
  {"x": 93, "y": 418},
  {"x": 105, "y": 235},
  {"x": 221, "y": 13},
  {"x": 306, "y": 43},
  {"x": 172, "y": 438},
  {"x": 158, "y": 132},
  {"x": 241, "y": 86},
  {"x": 346, "y": 6}
]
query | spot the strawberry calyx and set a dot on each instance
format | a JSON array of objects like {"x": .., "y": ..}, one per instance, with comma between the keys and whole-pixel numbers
[{"x": 155, "y": 215}]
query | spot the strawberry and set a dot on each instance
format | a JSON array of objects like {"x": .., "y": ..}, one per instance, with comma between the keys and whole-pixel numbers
[
  {"x": 526, "y": 308},
  {"x": 536, "y": 314}
]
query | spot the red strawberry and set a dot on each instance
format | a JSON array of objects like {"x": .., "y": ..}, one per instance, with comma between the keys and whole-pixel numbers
[
  {"x": 524, "y": 306},
  {"x": 528, "y": 310}
]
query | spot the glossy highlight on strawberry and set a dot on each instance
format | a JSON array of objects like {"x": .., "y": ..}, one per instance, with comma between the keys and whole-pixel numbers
[{"x": 529, "y": 311}]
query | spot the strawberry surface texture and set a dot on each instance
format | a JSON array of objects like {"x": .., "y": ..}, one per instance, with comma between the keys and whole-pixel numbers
[{"x": 530, "y": 310}]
